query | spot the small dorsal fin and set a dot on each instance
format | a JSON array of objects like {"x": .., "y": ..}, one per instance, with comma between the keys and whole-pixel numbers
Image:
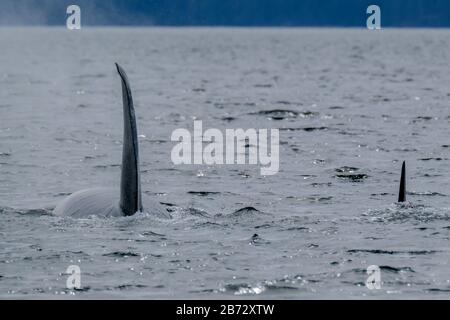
[
  {"x": 130, "y": 184},
  {"x": 402, "y": 190}
]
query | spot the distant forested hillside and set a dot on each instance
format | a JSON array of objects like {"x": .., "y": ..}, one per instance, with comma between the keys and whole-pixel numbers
[{"x": 401, "y": 13}]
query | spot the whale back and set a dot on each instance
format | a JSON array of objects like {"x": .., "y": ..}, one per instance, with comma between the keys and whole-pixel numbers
[
  {"x": 102, "y": 202},
  {"x": 99, "y": 202}
]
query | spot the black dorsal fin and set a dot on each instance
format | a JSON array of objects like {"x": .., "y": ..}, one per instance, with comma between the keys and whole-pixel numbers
[
  {"x": 402, "y": 190},
  {"x": 130, "y": 184}
]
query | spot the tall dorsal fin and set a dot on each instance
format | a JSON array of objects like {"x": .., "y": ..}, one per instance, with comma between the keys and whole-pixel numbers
[
  {"x": 402, "y": 190},
  {"x": 130, "y": 184}
]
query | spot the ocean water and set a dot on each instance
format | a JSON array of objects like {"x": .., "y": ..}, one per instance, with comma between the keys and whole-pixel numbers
[{"x": 350, "y": 105}]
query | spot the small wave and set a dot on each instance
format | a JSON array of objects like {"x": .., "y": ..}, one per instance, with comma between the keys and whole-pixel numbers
[
  {"x": 406, "y": 149},
  {"x": 244, "y": 289},
  {"x": 263, "y": 85},
  {"x": 196, "y": 212},
  {"x": 249, "y": 214},
  {"x": 350, "y": 173},
  {"x": 306, "y": 129},
  {"x": 426, "y": 193},
  {"x": 91, "y": 76},
  {"x": 438, "y": 290},
  {"x": 256, "y": 239},
  {"x": 203, "y": 193},
  {"x": 386, "y": 268},
  {"x": 392, "y": 252},
  {"x": 208, "y": 225},
  {"x": 435, "y": 159},
  {"x": 397, "y": 269},
  {"x": 228, "y": 119},
  {"x": 320, "y": 184},
  {"x": 352, "y": 176},
  {"x": 106, "y": 166},
  {"x": 62, "y": 194},
  {"x": 319, "y": 199},
  {"x": 240, "y": 289},
  {"x": 190, "y": 212},
  {"x": 306, "y": 229},
  {"x": 408, "y": 212},
  {"x": 287, "y": 103},
  {"x": 130, "y": 286},
  {"x": 28, "y": 212},
  {"x": 246, "y": 211},
  {"x": 346, "y": 169},
  {"x": 336, "y": 108},
  {"x": 281, "y": 114},
  {"x": 423, "y": 118},
  {"x": 121, "y": 254},
  {"x": 170, "y": 207}
]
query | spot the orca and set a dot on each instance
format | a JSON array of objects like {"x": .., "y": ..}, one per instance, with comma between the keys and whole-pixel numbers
[
  {"x": 402, "y": 189},
  {"x": 128, "y": 199}
]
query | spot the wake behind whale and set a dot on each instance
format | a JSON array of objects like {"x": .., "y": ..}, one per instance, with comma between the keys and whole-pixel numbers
[{"x": 128, "y": 200}]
